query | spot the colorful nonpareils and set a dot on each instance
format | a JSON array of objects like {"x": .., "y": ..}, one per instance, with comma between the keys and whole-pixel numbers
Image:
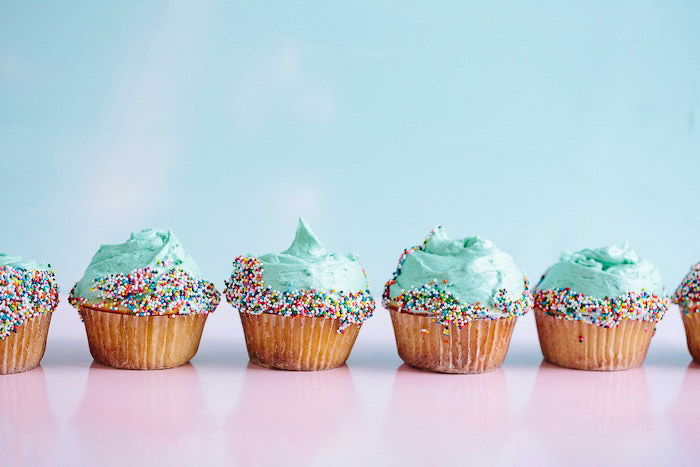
[
  {"x": 150, "y": 291},
  {"x": 446, "y": 309},
  {"x": 605, "y": 312},
  {"x": 246, "y": 291},
  {"x": 24, "y": 295},
  {"x": 688, "y": 292}
]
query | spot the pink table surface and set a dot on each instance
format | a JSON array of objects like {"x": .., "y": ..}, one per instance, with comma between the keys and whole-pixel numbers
[{"x": 221, "y": 410}]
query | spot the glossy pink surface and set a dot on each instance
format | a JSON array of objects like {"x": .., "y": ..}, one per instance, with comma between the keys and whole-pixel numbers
[{"x": 220, "y": 409}]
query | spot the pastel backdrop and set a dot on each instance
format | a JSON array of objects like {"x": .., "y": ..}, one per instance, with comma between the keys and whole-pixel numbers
[{"x": 543, "y": 128}]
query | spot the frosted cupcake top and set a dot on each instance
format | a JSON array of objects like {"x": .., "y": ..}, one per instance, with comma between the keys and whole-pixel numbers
[
  {"x": 149, "y": 274},
  {"x": 458, "y": 280},
  {"x": 306, "y": 264},
  {"x": 471, "y": 269},
  {"x": 602, "y": 286},
  {"x": 303, "y": 280},
  {"x": 27, "y": 290},
  {"x": 603, "y": 272},
  {"x": 688, "y": 292}
]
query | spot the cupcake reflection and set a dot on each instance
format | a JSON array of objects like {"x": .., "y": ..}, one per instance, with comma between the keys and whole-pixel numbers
[
  {"x": 574, "y": 414},
  {"x": 135, "y": 410},
  {"x": 685, "y": 412},
  {"x": 433, "y": 415},
  {"x": 27, "y": 423},
  {"x": 293, "y": 415}
]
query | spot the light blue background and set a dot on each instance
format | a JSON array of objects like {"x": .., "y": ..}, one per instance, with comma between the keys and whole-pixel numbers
[{"x": 543, "y": 128}]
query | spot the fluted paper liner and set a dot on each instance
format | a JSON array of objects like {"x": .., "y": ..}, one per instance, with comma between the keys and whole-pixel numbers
[
  {"x": 135, "y": 342},
  {"x": 583, "y": 346},
  {"x": 24, "y": 349},
  {"x": 691, "y": 321},
  {"x": 478, "y": 347},
  {"x": 300, "y": 343}
]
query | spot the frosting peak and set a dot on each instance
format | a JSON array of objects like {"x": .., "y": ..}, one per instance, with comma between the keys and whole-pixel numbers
[
  {"x": 307, "y": 265},
  {"x": 303, "y": 280},
  {"x": 605, "y": 272},
  {"x": 306, "y": 243}
]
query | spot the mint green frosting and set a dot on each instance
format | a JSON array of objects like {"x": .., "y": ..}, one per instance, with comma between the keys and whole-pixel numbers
[
  {"x": 603, "y": 272},
  {"x": 149, "y": 248},
  {"x": 21, "y": 263},
  {"x": 471, "y": 269},
  {"x": 307, "y": 265}
]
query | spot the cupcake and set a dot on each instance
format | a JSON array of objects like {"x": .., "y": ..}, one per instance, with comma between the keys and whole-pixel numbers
[
  {"x": 598, "y": 309},
  {"x": 28, "y": 296},
  {"x": 301, "y": 309},
  {"x": 144, "y": 303},
  {"x": 454, "y": 304},
  {"x": 687, "y": 297}
]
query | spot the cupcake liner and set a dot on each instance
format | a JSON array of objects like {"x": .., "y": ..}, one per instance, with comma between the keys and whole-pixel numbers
[
  {"x": 23, "y": 350},
  {"x": 142, "y": 342},
  {"x": 478, "y": 347},
  {"x": 298, "y": 343},
  {"x": 583, "y": 346},
  {"x": 691, "y": 321}
]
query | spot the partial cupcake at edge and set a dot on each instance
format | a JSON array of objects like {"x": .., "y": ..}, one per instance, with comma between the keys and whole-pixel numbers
[
  {"x": 597, "y": 309},
  {"x": 28, "y": 297},
  {"x": 301, "y": 309},
  {"x": 687, "y": 297},
  {"x": 144, "y": 302},
  {"x": 454, "y": 304}
]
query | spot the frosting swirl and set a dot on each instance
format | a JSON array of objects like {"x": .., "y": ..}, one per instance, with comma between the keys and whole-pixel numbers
[
  {"x": 307, "y": 265},
  {"x": 602, "y": 286},
  {"x": 471, "y": 269},
  {"x": 603, "y": 273}
]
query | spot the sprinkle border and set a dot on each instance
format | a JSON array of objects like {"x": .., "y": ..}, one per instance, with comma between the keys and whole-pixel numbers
[
  {"x": 687, "y": 295},
  {"x": 149, "y": 292},
  {"x": 605, "y": 312},
  {"x": 444, "y": 307},
  {"x": 247, "y": 292},
  {"x": 25, "y": 294}
]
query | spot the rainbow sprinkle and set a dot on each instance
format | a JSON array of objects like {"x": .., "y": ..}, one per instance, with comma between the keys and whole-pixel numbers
[
  {"x": 25, "y": 294},
  {"x": 150, "y": 292},
  {"x": 446, "y": 308},
  {"x": 605, "y": 312},
  {"x": 402, "y": 260},
  {"x": 687, "y": 295},
  {"x": 246, "y": 291}
]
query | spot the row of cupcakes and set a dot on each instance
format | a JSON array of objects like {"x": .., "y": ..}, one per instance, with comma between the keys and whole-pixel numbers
[{"x": 453, "y": 304}]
